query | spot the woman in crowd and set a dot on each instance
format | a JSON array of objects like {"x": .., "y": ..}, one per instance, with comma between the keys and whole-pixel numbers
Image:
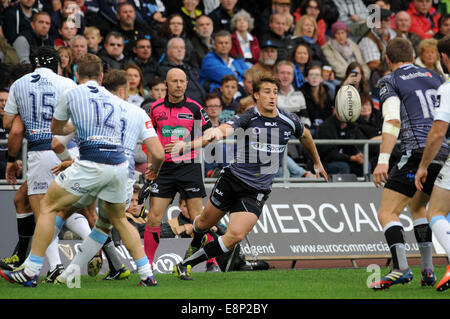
[
  {"x": 340, "y": 51},
  {"x": 306, "y": 32},
  {"x": 65, "y": 54},
  {"x": 428, "y": 56},
  {"x": 319, "y": 103},
  {"x": 301, "y": 57},
  {"x": 314, "y": 9},
  {"x": 136, "y": 91},
  {"x": 354, "y": 75},
  {"x": 244, "y": 44}
]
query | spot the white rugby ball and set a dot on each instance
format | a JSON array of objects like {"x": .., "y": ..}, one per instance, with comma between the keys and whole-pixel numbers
[{"x": 348, "y": 103}]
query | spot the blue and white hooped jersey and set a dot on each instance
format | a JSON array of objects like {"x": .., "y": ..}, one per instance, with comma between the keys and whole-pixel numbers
[
  {"x": 417, "y": 90},
  {"x": 136, "y": 126},
  {"x": 96, "y": 114},
  {"x": 261, "y": 144},
  {"x": 34, "y": 97}
]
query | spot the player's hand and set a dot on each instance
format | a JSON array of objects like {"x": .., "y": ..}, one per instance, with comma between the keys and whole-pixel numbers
[
  {"x": 319, "y": 170},
  {"x": 380, "y": 175},
  {"x": 12, "y": 172},
  {"x": 20, "y": 167},
  {"x": 150, "y": 173},
  {"x": 175, "y": 148},
  {"x": 421, "y": 177},
  {"x": 61, "y": 167},
  {"x": 212, "y": 134}
]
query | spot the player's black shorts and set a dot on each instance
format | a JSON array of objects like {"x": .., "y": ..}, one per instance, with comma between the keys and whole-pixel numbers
[
  {"x": 232, "y": 195},
  {"x": 402, "y": 174},
  {"x": 183, "y": 178}
]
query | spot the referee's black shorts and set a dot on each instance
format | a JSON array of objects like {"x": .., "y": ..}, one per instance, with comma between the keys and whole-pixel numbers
[
  {"x": 183, "y": 178},
  {"x": 232, "y": 195},
  {"x": 402, "y": 175}
]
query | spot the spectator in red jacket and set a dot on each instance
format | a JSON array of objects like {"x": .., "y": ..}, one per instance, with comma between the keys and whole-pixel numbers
[
  {"x": 424, "y": 18},
  {"x": 244, "y": 44}
]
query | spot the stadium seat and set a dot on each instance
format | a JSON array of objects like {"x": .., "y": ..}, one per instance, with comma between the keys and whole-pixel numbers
[{"x": 344, "y": 178}]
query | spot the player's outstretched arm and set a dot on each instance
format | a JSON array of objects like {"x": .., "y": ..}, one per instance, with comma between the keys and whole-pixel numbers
[
  {"x": 211, "y": 134},
  {"x": 308, "y": 143},
  {"x": 432, "y": 147}
]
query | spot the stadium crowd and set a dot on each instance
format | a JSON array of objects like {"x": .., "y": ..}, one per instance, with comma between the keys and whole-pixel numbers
[{"x": 312, "y": 46}]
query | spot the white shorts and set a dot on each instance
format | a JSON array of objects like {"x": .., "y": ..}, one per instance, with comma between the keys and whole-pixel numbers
[
  {"x": 443, "y": 178},
  {"x": 88, "y": 199},
  {"x": 39, "y": 172},
  {"x": 107, "y": 182}
]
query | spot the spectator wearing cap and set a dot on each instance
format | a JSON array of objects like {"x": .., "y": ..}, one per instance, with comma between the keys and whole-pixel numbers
[
  {"x": 219, "y": 63},
  {"x": 277, "y": 33},
  {"x": 424, "y": 18},
  {"x": 267, "y": 58},
  {"x": 244, "y": 44},
  {"x": 402, "y": 23},
  {"x": 340, "y": 51},
  {"x": 374, "y": 42}
]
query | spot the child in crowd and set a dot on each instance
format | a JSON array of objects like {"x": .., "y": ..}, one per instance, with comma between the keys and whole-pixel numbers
[
  {"x": 227, "y": 91},
  {"x": 67, "y": 31},
  {"x": 94, "y": 39}
]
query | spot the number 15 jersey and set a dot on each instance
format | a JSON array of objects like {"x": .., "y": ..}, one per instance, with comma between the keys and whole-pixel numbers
[{"x": 416, "y": 88}]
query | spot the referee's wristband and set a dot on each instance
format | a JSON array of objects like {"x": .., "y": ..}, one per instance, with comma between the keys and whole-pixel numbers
[
  {"x": 11, "y": 159},
  {"x": 383, "y": 158}
]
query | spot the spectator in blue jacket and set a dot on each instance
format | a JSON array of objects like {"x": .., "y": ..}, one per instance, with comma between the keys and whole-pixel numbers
[{"x": 219, "y": 63}]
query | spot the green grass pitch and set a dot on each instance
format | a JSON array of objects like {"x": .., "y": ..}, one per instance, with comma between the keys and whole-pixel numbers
[{"x": 271, "y": 284}]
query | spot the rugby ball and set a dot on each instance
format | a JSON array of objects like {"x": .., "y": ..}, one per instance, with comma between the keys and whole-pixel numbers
[{"x": 348, "y": 103}]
